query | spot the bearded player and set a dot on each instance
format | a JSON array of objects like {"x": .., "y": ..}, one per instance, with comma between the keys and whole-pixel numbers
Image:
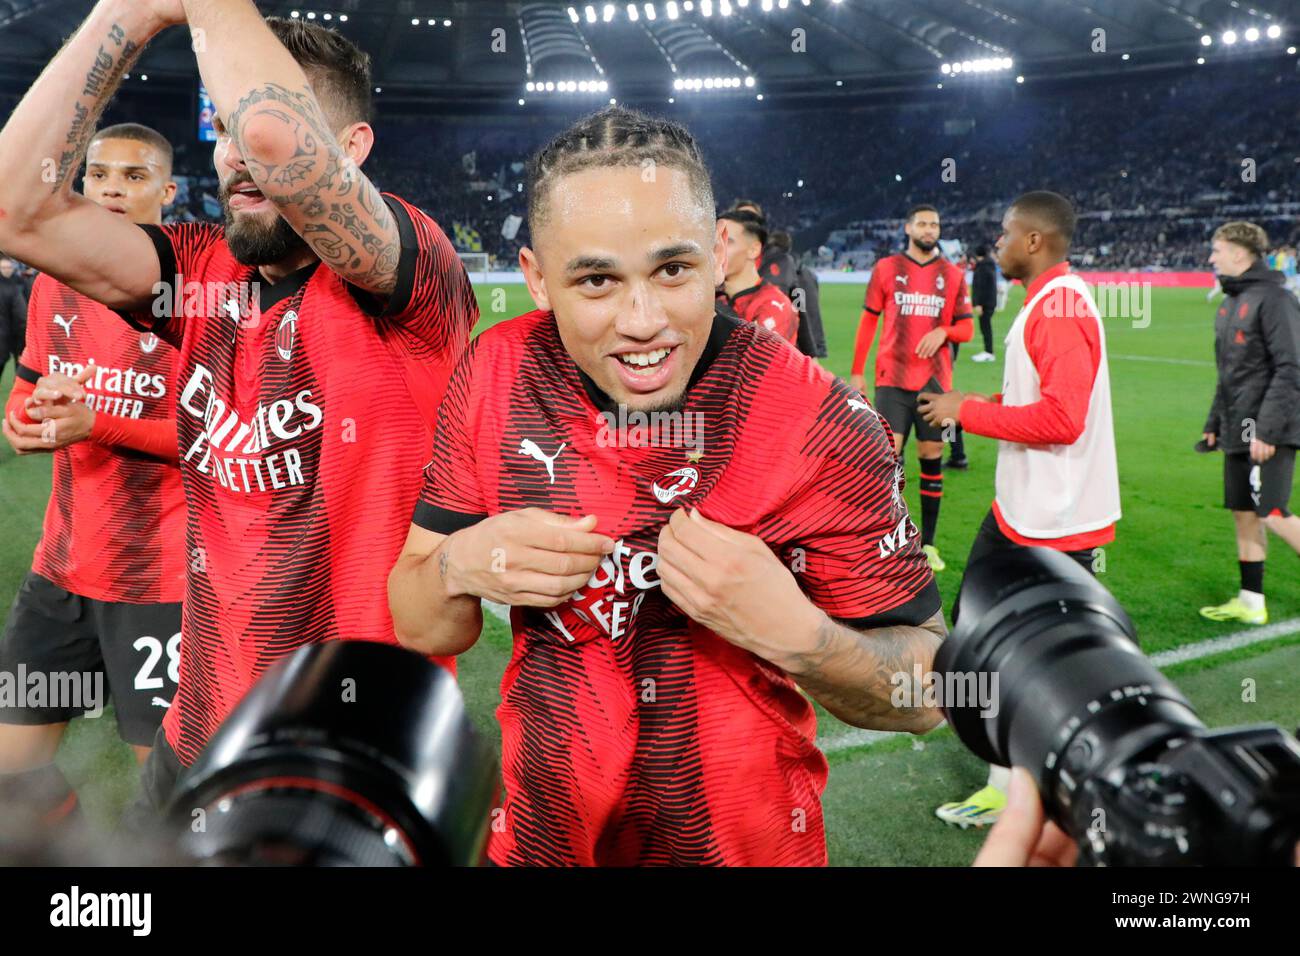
[
  {"x": 751, "y": 296},
  {"x": 103, "y": 595},
  {"x": 923, "y": 300},
  {"x": 316, "y": 330},
  {"x": 670, "y": 597}
]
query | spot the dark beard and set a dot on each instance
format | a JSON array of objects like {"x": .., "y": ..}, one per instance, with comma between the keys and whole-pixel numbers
[
  {"x": 926, "y": 247},
  {"x": 255, "y": 244}
]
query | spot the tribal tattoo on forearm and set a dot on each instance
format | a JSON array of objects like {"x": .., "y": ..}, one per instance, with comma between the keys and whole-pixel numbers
[
  {"x": 852, "y": 673},
  {"x": 340, "y": 213},
  {"x": 116, "y": 55}
]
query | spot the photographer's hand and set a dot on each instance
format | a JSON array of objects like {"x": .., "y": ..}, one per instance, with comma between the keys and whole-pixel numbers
[{"x": 1022, "y": 837}]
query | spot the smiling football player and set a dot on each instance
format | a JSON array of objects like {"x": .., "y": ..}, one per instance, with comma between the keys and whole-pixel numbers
[{"x": 668, "y": 596}]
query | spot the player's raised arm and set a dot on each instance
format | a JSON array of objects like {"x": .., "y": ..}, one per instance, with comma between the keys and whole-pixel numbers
[
  {"x": 42, "y": 221},
  {"x": 306, "y": 165}
]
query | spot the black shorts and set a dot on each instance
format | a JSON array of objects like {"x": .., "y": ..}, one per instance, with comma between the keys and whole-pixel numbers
[
  {"x": 990, "y": 539},
  {"x": 1264, "y": 489},
  {"x": 85, "y": 651},
  {"x": 898, "y": 406}
]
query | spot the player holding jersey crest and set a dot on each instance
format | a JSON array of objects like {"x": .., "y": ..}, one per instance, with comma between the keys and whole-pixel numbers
[{"x": 669, "y": 598}]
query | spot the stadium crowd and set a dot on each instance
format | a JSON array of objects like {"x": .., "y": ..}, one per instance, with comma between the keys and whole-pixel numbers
[{"x": 650, "y": 713}]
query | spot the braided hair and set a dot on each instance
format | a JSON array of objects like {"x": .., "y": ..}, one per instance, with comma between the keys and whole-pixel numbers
[{"x": 615, "y": 137}]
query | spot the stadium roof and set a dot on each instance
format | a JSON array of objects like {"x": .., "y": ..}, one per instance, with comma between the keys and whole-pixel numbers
[{"x": 478, "y": 50}]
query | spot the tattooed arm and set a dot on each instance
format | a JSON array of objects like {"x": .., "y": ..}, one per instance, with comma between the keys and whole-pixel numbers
[
  {"x": 854, "y": 674},
  {"x": 733, "y": 584},
  {"x": 308, "y": 169},
  {"x": 42, "y": 221}
]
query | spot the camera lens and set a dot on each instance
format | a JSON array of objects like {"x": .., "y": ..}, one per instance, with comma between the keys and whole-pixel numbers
[
  {"x": 344, "y": 753},
  {"x": 1074, "y": 695}
]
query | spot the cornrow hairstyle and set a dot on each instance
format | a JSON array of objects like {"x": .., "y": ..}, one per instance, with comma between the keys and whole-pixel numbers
[{"x": 615, "y": 137}]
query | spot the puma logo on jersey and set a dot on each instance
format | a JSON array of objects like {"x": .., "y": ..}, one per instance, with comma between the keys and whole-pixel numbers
[
  {"x": 901, "y": 279},
  {"x": 66, "y": 324},
  {"x": 858, "y": 404},
  {"x": 530, "y": 448},
  {"x": 159, "y": 702}
]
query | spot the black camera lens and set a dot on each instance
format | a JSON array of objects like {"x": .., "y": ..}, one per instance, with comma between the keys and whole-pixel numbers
[
  {"x": 1074, "y": 693},
  {"x": 344, "y": 753}
]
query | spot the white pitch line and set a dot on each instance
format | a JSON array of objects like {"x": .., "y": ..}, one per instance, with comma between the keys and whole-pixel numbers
[
  {"x": 1188, "y": 652},
  {"x": 857, "y": 738},
  {"x": 1229, "y": 642},
  {"x": 1199, "y": 363}
]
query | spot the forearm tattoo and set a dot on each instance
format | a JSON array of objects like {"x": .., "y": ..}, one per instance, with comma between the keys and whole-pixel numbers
[
  {"x": 339, "y": 211},
  {"x": 853, "y": 673},
  {"x": 116, "y": 55}
]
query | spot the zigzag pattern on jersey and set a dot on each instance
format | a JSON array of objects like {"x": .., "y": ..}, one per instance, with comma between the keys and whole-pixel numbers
[
  {"x": 592, "y": 755},
  {"x": 850, "y": 442},
  {"x": 112, "y": 527},
  {"x": 274, "y": 601}
]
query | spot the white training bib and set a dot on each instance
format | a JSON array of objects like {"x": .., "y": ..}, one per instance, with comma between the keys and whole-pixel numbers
[{"x": 1054, "y": 491}]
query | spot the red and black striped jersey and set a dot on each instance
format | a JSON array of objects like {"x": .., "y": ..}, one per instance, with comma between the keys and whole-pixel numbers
[
  {"x": 913, "y": 298},
  {"x": 768, "y": 306},
  {"x": 305, "y": 414},
  {"x": 631, "y": 734},
  {"x": 115, "y": 522}
]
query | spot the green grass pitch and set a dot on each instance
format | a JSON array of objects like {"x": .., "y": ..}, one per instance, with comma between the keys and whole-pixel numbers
[{"x": 1174, "y": 552}]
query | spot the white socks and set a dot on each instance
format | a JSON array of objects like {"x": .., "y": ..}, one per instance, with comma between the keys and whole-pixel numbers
[
  {"x": 1000, "y": 778},
  {"x": 1252, "y": 600}
]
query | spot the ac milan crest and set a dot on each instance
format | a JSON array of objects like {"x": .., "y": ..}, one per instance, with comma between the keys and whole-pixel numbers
[
  {"x": 675, "y": 484},
  {"x": 284, "y": 335}
]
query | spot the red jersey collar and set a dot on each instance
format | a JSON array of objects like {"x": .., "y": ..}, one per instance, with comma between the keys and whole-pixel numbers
[{"x": 1060, "y": 269}]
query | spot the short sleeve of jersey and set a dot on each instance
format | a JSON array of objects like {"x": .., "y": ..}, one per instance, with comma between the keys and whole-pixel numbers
[
  {"x": 846, "y": 532},
  {"x": 875, "y": 301},
  {"x": 179, "y": 246},
  {"x": 433, "y": 300},
  {"x": 34, "y": 361},
  {"x": 451, "y": 497}
]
